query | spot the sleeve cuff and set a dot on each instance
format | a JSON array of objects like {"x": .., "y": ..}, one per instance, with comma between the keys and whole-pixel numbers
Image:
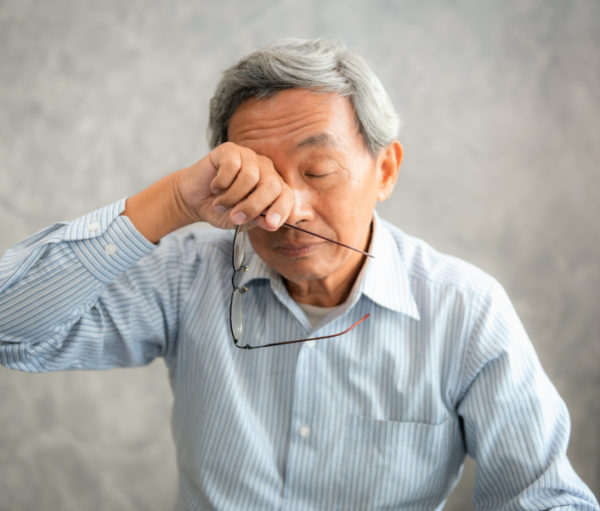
[{"x": 106, "y": 243}]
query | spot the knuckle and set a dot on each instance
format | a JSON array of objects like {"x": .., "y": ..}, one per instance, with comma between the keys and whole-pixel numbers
[
  {"x": 286, "y": 191},
  {"x": 249, "y": 175},
  {"x": 230, "y": 153},
  {"x": 274, "y": 186},
  {"x": 226, "y": 164},
  {"x": 227, "y": 146},
  {"x": 247, "y": 154}
]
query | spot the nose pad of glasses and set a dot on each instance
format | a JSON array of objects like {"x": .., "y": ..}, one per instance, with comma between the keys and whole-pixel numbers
[{"x": 236, "y": 318}]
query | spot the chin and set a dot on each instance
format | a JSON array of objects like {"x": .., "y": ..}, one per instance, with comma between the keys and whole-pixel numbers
[{"x": 301, "y": 271}]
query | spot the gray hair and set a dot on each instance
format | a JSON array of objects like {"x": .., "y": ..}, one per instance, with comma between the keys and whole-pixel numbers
[{"x": 324, "y": 65}]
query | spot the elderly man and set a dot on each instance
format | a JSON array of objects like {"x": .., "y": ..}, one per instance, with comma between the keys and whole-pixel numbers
[{"x": 319, "y": 357}]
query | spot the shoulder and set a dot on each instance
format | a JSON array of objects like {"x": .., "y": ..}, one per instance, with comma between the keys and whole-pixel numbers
[{"x": 427, "y": 267}]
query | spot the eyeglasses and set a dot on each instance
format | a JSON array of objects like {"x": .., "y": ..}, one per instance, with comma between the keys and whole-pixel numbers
[{"x": 236, "y": 313}]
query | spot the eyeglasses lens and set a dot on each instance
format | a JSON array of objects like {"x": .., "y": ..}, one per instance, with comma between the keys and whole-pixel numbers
[
  {"x": 236, "y": 310},
  {"x": 239, "y": 248},
  {"x": 237, "y": 314}
]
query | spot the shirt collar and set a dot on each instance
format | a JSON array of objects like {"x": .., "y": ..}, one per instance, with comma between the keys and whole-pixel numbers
[
  {"x": 386, "y": 267},
  {"x": 385, "y": 279}
]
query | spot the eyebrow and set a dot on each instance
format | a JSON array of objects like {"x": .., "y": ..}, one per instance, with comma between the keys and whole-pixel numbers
[{"x": 320, "y": 140}]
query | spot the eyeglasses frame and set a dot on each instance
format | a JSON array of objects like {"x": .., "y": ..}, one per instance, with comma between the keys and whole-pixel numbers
[{"x": 241, "y": 267}]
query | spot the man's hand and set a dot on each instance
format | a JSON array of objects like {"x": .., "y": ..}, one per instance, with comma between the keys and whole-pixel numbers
[
  {"x": 230, "y": 186},
  {"x": 233, "y": 185}
]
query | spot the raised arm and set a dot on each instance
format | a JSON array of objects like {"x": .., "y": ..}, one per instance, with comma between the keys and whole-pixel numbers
[
  {"x": 98, "y": 292},
  {"x": 232, "y": 185}
]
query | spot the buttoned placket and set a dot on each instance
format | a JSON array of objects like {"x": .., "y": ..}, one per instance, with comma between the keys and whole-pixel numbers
[
  {"x": 311, "y": 424},
  {"x": 303, "y": 436}
]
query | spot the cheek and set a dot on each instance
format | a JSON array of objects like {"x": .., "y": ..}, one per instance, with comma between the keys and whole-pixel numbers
[
  {"x": 352, "y": 203},
  {"x": 259, "y": 241}
]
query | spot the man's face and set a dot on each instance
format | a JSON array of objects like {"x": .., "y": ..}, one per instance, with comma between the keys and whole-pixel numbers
[{"x": 314, "y": 143}]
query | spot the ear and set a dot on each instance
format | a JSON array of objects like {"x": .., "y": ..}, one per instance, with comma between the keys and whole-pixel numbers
[{"x": 388, "y": 164}]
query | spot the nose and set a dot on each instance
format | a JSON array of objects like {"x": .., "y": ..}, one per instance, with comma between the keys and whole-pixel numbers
[{"x": 302, "y": 212}]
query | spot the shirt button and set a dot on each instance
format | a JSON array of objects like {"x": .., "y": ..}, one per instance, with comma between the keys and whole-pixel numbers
[
  {"x": 110, "y": 250},
  {"x": 310, "y": 344},
  {"x": 93, "y": 227},
  {"x": 304, "y": 431}
]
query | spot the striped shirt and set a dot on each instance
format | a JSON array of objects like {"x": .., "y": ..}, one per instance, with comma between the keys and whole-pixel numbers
[{"x": 379, "y": 418}]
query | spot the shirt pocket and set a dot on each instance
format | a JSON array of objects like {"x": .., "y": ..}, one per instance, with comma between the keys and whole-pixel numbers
[{"x": 406, "y": 465}]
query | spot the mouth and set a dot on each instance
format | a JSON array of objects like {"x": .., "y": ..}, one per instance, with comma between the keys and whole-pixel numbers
[{"x": 297, "y": 249}]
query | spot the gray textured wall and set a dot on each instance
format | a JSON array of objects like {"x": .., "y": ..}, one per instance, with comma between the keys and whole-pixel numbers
[{"x": 501, "y": 109}]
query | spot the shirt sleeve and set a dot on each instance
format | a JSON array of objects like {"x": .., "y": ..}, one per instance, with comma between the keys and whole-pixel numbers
[
  {"x": 89, "y": 294},
  {"x": 516, "y": 426}
]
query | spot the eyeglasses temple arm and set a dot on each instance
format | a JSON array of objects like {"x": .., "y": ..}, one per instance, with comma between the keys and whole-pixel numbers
[
  {"x": 248, "y": 347},
  {"x": 290, "y": 226}
]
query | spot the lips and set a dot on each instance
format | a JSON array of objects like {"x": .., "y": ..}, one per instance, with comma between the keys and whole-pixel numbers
[{"x": 297, "y": 248}]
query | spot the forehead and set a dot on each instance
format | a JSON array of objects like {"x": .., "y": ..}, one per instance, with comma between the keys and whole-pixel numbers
[{"x": 299, "y": 116}]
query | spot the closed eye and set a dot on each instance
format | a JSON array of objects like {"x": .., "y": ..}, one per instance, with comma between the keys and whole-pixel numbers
[{"x": 317, "y": 175}]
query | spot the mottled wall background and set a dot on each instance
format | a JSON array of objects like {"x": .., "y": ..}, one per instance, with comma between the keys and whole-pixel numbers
[{"x": 501, "y": 109}]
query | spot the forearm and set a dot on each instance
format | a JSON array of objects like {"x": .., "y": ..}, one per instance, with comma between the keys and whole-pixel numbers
[
  {"x": 48, "y": 283},
  {"x": 159, "y": 210},
  {"x": 516, "y": 426},
  {"x": 50, "y": 286}
]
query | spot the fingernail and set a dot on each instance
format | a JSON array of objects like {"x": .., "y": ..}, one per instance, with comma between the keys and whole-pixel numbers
[
  {"x": 274, "y": 219},
  {"x": 219, "y": 209},
  {"x": 238, "y": 218}
]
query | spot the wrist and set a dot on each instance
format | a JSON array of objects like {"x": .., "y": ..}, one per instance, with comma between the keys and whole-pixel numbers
[{"x": 159, "y": 209}]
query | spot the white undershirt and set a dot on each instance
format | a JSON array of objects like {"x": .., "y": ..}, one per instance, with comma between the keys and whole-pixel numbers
[{"x": 315, "y": 314}]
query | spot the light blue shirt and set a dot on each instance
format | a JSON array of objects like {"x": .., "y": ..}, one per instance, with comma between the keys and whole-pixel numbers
[{"x": 379, "y": 418}]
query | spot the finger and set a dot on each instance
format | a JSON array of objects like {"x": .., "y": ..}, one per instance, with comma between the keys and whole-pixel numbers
[
  {"x": 279, "y": 211},
  {"x": 275, "y": 199},
  {"x": 227, "y": 160},
  {"x": 245, "y": 182},
  {"x": 265, "y": 193}
]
